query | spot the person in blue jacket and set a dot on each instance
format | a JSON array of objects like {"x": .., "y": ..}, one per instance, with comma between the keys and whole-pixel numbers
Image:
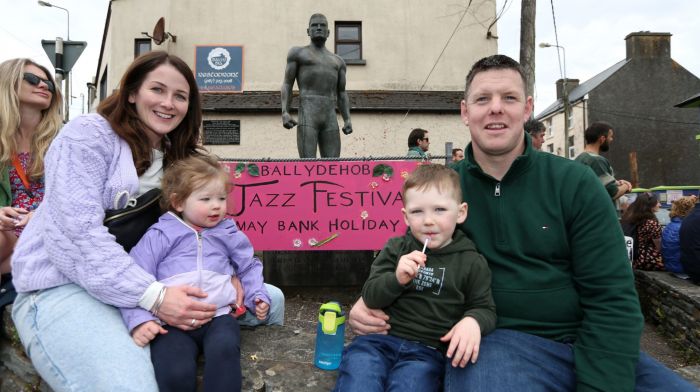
[{"x": 670, "y": 236}]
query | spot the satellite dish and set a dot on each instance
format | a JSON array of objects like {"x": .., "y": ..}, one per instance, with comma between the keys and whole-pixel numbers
[{"x": 159, "y": 31}]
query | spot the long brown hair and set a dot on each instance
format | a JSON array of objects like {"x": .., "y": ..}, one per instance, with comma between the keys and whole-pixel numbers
[
  {"x": 11, "y": 76},
  {"x": 181, "y": 142},
  {"x": 641, "y": 209}
]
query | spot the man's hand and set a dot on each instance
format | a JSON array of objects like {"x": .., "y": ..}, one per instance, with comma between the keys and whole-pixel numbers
[
  {"x": 146, "y": 332},
  {"x": 464, "y": 339},
  {"x": 365, "y": 321},
  {"x": 287, "y": 121},
  {"x": 347, "y": 128},
  {"x": 409, "y": 265}
]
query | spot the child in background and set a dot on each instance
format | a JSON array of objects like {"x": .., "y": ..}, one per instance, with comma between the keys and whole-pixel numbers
[
  {"x": 438, "y": 298},
  {"x": 193, "y": 244}
]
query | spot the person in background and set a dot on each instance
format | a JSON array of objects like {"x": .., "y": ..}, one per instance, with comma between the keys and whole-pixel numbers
[
  {"x": 536, "y": 131},
  {"x": 640, "y": 222},
  {"x": 598, "y": 137},
  {"x": 457, "y": 155},
  {"x": 30, "y": 118},
  {"x": 418, "y": 143},
  {"x": 70, "y": 273},
  {"x": 439, "y": 299},
  {"x": 670, "y": 235},
  {"x": 568, "y": 313},
  {"x": 689, "y": 236}
]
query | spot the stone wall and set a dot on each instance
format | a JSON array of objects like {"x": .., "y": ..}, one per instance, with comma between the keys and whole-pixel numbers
[
  {"x": 273, "y": 359},
  {"x": 673, "y": 305}
]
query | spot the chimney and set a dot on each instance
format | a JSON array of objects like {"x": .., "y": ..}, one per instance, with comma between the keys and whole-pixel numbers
[
  {"x": 570, "y": 85},
  {"x": 644, "y": 44}
]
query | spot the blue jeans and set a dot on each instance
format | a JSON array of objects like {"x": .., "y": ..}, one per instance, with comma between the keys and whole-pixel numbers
[
  {"x": 517, "y": 361},
  {"x": 388, "y": 363},
  {"x": 276, "y": 314},
  {"x": 175, "y": 356},
  {"x": 78, "y": 343}
]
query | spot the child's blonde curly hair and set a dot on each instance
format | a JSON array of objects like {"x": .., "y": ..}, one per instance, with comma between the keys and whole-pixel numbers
[{"x": 682, "y": 207}]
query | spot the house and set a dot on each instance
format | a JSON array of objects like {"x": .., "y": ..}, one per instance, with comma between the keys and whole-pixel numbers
[
  {"x": 404, "y": 67},
  {"x": 637, "y": 96}
]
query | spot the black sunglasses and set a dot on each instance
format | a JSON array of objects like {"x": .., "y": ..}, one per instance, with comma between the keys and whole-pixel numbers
[
  {"x": 35, "y": 80},
  {"x": 426, "y": 139}
]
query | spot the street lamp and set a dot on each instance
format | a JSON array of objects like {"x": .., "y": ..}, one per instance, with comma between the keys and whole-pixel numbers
[
  {"x": 47, "y": 4},
  {"x": 67, "y": 75},
  {"x": 565, "y": 92}
]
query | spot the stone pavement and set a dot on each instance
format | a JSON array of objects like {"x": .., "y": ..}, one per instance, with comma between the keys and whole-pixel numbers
[{"x": 279, "y": 359}]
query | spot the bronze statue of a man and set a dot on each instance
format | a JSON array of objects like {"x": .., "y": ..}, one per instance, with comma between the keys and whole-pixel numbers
[{"x": 320, "y": 76}]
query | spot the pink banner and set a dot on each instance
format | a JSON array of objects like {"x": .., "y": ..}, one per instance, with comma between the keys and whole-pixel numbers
[{"x": 318, "y": 205}]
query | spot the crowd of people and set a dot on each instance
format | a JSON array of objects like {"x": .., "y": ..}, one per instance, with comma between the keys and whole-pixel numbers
[{"x": 531, "y": 296}]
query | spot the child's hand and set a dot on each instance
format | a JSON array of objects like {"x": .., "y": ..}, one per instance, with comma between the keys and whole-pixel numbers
[
  {"x": 146, "y": 332},
  {"x": 261, "y": 309},
  {"x": 408, "y": 266},
  {"x": 464, "y": 340}
]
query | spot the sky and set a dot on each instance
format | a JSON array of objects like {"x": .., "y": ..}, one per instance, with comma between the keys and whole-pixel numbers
[
  {"x": 24, "y": 23},
  {"x": 592, "y": 33}
]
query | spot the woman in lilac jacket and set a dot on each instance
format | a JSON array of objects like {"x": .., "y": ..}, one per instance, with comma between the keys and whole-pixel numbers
[{"x": 70, "y": 273}]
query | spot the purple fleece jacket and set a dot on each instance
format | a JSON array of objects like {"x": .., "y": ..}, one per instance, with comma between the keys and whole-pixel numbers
[{"x": 177, "y": 254}]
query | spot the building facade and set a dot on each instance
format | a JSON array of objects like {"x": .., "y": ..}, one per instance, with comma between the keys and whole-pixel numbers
[
  {"x": 655, "y": 142},
  {"x": 405, "y": 69}
]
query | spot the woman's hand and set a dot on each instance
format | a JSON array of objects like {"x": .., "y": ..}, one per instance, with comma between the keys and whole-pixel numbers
[
  {"x": 261, "y": 309},
  {"x": 11, "y": 217},
  {"x": 180, "y": 310},
  {"x": 365, "y": 321}
]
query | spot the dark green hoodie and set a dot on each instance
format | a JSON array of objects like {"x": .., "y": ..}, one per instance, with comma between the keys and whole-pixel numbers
[
  {"x": 455, "y": 283},
  {"x": 559, "y": 263}
]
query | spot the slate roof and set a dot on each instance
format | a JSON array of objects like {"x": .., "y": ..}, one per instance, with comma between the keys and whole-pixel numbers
[
  {"x": 581, "y": 90},
  {"x": 692, "y": 102},
  {"x": 362, "y": 100}
]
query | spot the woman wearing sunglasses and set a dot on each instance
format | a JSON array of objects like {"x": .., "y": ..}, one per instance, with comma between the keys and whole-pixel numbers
[{"x": 29, "y": 119}]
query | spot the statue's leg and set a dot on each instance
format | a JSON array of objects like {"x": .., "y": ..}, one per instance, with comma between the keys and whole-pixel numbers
[
  {"x": 307, "y": 135},
  {"x": 307, "y": 139},
  {"x": 329, "y": 141},
  {"x": 329, "y": 135}
]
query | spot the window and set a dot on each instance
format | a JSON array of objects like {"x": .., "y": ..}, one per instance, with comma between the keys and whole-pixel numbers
[
  {"x": 572, "y": 150},
  {"x": 103, "y": 85},
  {"x": 571, "y": 118},
  {"x": 550, "y": 148},
  {"x": 550, "y": 131},
  {"x": 348, "y": 42},
  {"x": 141, "y": 46}
]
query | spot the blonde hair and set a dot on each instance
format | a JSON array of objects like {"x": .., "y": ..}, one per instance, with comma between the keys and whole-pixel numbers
[
  {"x": 184, "y": 176},
  {"x": 682, "y": 207},
  {"x": 11, "y": 76},
  {"x": 443, "y": 178}
]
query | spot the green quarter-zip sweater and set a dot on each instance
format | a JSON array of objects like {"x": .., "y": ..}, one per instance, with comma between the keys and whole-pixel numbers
[
  {"x": 455, "y": 283},
  {"x": 558, "y": 261}
]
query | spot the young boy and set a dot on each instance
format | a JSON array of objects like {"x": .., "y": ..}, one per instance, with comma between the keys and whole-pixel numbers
[{"x": 435, "y": 288}]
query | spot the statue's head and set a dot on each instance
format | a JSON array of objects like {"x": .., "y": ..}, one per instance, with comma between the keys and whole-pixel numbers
[{"x": 318, "y": 28}]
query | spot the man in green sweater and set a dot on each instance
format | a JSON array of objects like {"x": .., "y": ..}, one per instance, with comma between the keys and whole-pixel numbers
[{"x": 568, "y": 313}]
